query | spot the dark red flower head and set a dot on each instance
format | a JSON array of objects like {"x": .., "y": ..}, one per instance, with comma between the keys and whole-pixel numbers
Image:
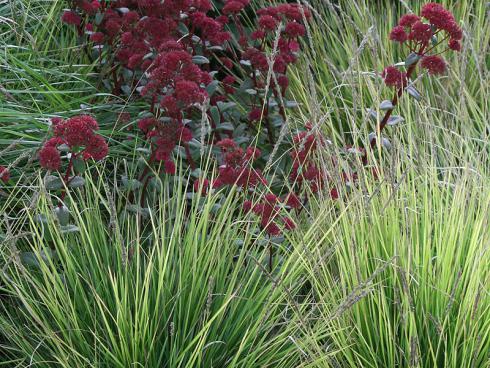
[
  {"x": 393, "y": 77},
  {"x": 169, "y": 167},
  {"x": 70, "y": 17},
  {"x": 96, "y": 148},
  {"x": 49, "y": 158},
  {"x": 201, "y": 185},
  {"x": 293, "y": 200},
  {"x": 255, "y": 114},
  {"x": 437, "y": 15},
  {"x": 188, "y": 92},
  {"x": 97, "y": 37},
  {"x": 434, "y": 64},
  {"x": 267, "y": 22},
  {"x": 77, "y": 130},
  {"x": 421, "y": 32},
  {"x": 398, "y": 34},
  {"x": 4, "y": 174},
  {"x": 288, "y": 223},
  {"x": 454, "y": 45},
  {"x": 408, "y": 20},
  {"x": 295, "y": 29},
  {"x": 234, "y": 6}
]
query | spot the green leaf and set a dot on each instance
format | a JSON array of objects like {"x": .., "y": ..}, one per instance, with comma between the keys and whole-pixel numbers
[
  {"x": 223, "y": 106},
  {"x": 156, "y": 184},
  {"x": 41, "y": 219},
  {"x": 386, "y": 105},
  {"x": 131, "y": 184},
  {"x": 246, "y": 84},
  {"x": 386, "y": 143},
  {"x": 63, "y": 215},
  {"x": 126, "y": 89},
  {"x": 53, "y": 182},
  {"x": 76, "y": 182},
  {"x": 67, "y": 229},
  {"x": 79, "y": 165},
  {"x": 412, "y": 58},
  {"x": 413, "y": 92},
  {"x": 226, "y": 126},
  {"x": 137, "y": 209},
  {"x": 291, "y": 104},
  {"x": 373, "y": 115},
  {"x": 199, "y": 60},
  {"x": 394, "y": 120},
  {"x": 98, "y": 18},
  {"x": 211, "y": 87},
  {"x": 215, "y": 114},
  {"x": 215, "y": 48},
  {"x": 183, "y": 29},
  {"x": 63, "y": 148},
  {"x": 33, "y": 260},
  {"x": 29, "y": 259}
]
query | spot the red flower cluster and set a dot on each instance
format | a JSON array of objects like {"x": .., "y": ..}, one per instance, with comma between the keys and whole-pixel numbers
[
  {"x": 269, "y": 19},
  {"x": 234, "y": 6},
  {"x": 71, "y": 18},
  {"x": 305, "y": 169},
  {"x": 201, "y": 185},
  {"x": 411, "y": 27},
  {"x": 442, "y": 19},
  {"x": 394, "y": 78},
  {"x": 434, "y": 64},
  {"x": 237, "y": 166},
  {"x": 422, "y": 38},
  {"x": 177, "y": 79},
  {"x": 269, "y": 209},
  {"x": 164, "y": 137},
  {"x": 4, "y": 174},
  {"x": 78, "y": 135},
  {"x": 398, "y": 34},
  {"x": 171, "y": 53},
  {"x": 420, "y": 32}
]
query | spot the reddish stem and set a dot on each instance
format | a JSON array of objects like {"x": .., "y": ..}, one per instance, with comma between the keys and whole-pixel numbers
[
  {"x": 396, "y": 97},
  {"x": 66, "y": 180}
]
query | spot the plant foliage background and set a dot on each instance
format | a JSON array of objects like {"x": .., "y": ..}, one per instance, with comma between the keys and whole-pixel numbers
[{"x": 393, "y": 273}]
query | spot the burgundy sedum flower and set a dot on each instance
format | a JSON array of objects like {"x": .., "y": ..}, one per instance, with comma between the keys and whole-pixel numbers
[
  {"x": 70, "y": 17},
  {"x": 408, "y": 20},
  {"x": 398, "y": 34},
  {"x": 4, "y": 174},
  {"x": 49, "y": 158},
  {"x": 393, "y": 77},
  {"x": 434, "y": 64}
]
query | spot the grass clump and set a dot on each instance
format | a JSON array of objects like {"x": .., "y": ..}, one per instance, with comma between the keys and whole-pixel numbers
[{"x": 394, "y": 273}]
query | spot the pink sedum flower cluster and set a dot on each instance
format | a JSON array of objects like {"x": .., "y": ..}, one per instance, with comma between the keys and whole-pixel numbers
[
  {"x": 394, "y": 77},
  {"x": 421, "y": 34},
  {"x": 269, "y": 211},
  {"x": 184, "y": 61},
  {"x": 190, "y": 61},
  {"x": 305, "y": 170},
  {"x": 4, "y": 174},
  {"x": 237, "y": 166},
  {"x": 76, "y": 135}
]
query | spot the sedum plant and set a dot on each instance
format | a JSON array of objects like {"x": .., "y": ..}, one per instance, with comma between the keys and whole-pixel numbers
[
  {"x": 215, "y": 86},
  {"x": 425, "y": 38},
  {"x": 213, "y": 83}
]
